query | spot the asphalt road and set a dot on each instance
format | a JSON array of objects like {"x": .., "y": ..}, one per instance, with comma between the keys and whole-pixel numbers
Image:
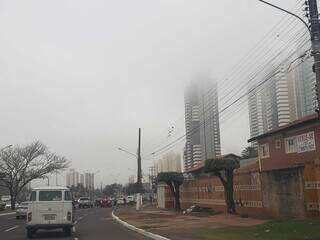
[{"x": 91, "y": 224}]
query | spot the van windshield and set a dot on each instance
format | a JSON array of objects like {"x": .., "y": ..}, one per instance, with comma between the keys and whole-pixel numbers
[{"x": 50, "y": 196}]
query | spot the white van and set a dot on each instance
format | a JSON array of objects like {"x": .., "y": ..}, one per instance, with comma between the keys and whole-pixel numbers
[{"x": 50, "y": 208}]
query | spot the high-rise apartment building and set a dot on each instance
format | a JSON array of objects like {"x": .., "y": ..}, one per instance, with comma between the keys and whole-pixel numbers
[
  {"x": 202, "y": 122},
  {"x": 169, "y": 162},
  {"x": 89, "y": 180},
  {"x": 72, "y": 178},
  {"x": 285, "y": 97},
  {"x": 82, "y": 179}
]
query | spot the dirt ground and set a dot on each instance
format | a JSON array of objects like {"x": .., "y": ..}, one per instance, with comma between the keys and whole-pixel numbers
[{"x": 178, "y": 226}]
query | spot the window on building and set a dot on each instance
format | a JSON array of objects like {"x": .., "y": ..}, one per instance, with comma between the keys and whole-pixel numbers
[
  {"x": 278, "y": 144},
  {"x": 264, "y": 150},
  {"x": 291, "y": 145}
]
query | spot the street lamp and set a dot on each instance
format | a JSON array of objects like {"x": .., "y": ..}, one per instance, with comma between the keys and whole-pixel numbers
[
  {"x": 286, "y": 11},
  {"x": 130, "y": 153},
  {"x": 314, "y": 35}
]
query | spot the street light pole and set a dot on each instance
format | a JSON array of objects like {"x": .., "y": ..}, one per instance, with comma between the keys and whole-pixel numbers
[
  {"x": 314, "y": 30},
  {"x": 123, "y": 150}
]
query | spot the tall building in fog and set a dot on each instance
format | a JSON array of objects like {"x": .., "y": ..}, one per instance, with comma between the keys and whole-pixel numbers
[
  {"x": 89, "y": 180},
  {"x": 285, "y": 97},
  {"x": 202, "y": 122},
  {"x": 72, "y": 178},
  {"x": 169, "y": 162}
]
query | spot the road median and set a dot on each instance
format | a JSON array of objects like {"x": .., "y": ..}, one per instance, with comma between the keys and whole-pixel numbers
[
  {"x": 138, "y": 230},
  {"x": 176, "y": 226}
]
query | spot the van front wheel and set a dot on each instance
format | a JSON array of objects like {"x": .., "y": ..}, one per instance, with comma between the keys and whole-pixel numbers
[{"x": 67, "y": 231}]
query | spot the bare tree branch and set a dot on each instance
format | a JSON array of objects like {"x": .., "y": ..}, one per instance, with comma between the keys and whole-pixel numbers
[{"x": 21, "y": 165}]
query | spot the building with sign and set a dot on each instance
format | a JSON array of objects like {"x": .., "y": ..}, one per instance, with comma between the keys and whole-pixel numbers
[{"x": 291, "y": 145}]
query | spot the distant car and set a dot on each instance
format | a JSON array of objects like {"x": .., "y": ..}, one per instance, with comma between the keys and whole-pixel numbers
[
  {"x": 120, "y": 201},
  {"x": 8, "y": 205},
  {"x": 22, "y": 210},
  {"x": 106, "y": 202},
  {"x": 98, "y": 202},
  {"x": 131, "y": 199},
  {"x": 85, "y": 202}
]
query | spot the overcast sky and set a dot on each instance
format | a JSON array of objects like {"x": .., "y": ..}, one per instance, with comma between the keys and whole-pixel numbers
[{"x": 83, "y": 75}]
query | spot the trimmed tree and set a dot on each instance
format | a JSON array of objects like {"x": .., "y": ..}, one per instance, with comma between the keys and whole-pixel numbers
[
  {"x": 174, "y": 180},
  {"x": 223, "y": 168}
]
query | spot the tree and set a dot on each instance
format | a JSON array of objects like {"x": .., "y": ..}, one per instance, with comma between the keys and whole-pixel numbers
[
  {"x": 112, "y": 190},
  {"x": 130, "y": 188},
  {"x": 174, "y": 180},
  {"x": 249, "y": 152},
  {"x": 21, "y": 165},
  {"x": 223, "y": 167},
  {"x": 79, "y": 191}
]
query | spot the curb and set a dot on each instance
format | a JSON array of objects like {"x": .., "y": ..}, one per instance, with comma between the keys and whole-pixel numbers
[
  {"x": 5, "y": 214},
  {"x": 138, "y": 230}
]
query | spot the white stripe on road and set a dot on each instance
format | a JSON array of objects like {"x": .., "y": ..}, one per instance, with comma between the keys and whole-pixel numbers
[{"x": 10, "y": 229}]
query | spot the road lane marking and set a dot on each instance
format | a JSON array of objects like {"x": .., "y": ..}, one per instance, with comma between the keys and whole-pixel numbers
[{"x": 10, "y": 229}]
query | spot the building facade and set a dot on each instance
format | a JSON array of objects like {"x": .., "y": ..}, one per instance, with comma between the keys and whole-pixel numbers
[
  {"x": 202, "y": 122},
  {"x": 285, "y": 97},
  {"x": 169, "y": 162},
  {"x": 89, "y": 180},
  {"x": 72, "y": 178}
]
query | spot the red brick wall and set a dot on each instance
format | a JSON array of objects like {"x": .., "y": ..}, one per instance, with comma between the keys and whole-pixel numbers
[{"x": 250, "y": 193}]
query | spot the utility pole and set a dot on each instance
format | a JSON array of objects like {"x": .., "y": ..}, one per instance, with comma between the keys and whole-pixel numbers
[
  {"x": 139, "y": 174},
  {"x": 315, "y": 41}
]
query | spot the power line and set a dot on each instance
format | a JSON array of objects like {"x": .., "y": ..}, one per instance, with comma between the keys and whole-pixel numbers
[{"x": 225, "y": 108}]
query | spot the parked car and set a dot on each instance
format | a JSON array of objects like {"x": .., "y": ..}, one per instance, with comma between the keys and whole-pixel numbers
[
  {"x": 85, "y": 202},
  {"x": 22, "y": 210},
  {"x": 8, "y": 205},
  {"x": 50, "y": 208}
]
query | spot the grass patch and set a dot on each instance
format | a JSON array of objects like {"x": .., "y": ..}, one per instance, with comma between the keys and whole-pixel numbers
[
  {"x": 275, "y": 230},
  {"x": 7, "y": 211},
  {"x": 148, "y": 227}
]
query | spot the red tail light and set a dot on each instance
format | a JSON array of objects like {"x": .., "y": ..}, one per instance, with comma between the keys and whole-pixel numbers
[
  {"x": 69, "y": 216},
  {"x": 29, "y": 216}
]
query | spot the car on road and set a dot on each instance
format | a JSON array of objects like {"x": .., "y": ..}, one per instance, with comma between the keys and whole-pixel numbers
[
  {"x": 8, "y": 205},
  {"x": 85, "y": 202},
  {"x": 21, "y": 211},
  {"x": 120, "y": 201},
  {"x": 50, "y": 208}
]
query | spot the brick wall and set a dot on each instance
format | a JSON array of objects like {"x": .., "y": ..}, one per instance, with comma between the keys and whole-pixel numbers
[{"x": 285, "y": 192}]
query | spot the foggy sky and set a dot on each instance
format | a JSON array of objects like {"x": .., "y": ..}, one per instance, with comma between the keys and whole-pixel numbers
[{"x": 82, "y": 76}]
